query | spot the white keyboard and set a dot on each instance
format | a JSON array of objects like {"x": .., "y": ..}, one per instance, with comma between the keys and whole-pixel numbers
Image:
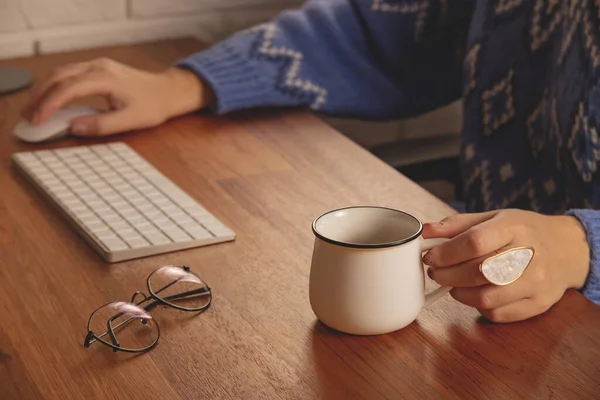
[{"x": 120, "y": 203}]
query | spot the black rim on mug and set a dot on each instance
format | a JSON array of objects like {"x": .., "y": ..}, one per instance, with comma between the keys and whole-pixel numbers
[{"x": 368, "y": 245}]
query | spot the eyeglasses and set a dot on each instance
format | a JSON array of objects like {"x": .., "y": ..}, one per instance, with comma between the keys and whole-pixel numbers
[{"x": 129, "y": 327}]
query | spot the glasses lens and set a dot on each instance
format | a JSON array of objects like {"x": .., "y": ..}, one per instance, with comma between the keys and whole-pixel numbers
[
  {"x": 179, "y": 287},
  {"x": 124, "y": 325}
]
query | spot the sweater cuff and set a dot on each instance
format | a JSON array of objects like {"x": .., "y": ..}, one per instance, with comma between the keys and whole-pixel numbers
[
  {"x": 590, "y": 219},
  {"x": 234, "y": 81}
]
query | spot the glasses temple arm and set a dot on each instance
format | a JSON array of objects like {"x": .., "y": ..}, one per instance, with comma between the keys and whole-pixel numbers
[{"x": 201, "y": 291}]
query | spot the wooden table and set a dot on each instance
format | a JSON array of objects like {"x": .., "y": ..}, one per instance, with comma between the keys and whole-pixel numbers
[{"x": 267, "y": 175}]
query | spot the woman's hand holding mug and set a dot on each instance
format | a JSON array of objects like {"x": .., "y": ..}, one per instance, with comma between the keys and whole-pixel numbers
[
  {"x": 367, "y": 267},
  {"x": 561, "y": 260}
]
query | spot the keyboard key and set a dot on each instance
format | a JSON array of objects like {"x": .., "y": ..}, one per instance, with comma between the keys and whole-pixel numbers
[
  {"x": 145, "y": 188},
  {"x": 128, "y": 232},
  {"x": 137, "y": 199},
  {"x": 158, "y": 196},
  {"x": 199, "y": 233},
  {"x": 127, "y": 211},
  {"x": 114, "y": 244},
  {"x": 147, "y": 229},
  {"x": 183, "y": 219},
  {"x": 77, "y": 166},
  {"x": 138, "y": 181},
  {"x": 145, "y": 207},
  {"x": 111, "y": 198},
  {"x": 109, "y": 157},
  {"x": 196, "y": 211},
  {"x": 220, "y": 231},
  {"x": 137, "y": 219},
  {"x": 102, "y": 169},
  {"x": 118, "y": 147},
  {"x": 161, "y": 220},
  {"x": 23, "y": 157},
  {"x": 82, "y": 190},
  {"x": 158, "y": 239},
  {"x": 176, "y": 234},
  {"x": 112, "y": 217},
  {"x": 175, "y": 213},
  {"x": 153, "y": 213},
  {"x": 66, "y": 196},
  {"x": 212, "y": 223},
  {"x": 188, "y": 224},
  {"x": 168, "y": 225},
  {"x": 97, "y": 227},
  {"x": 127, "y": 193},
  {"x": 75, "y": 202},
  {"x": 137, "y": 242},
  {"x": 91, "y": 220},
  {"x": 118, "y": 225},
  {"x": 89, "y": 197},
  {"x": 170, "y": 207},
  {"x": 75, "y": 184},
  {"x": 78, "y": 207},
  {"x": 107, "y": 234},
  {"x": 51, "y": 182},
  {"x": 206, "y": 219},
  {"x": 129, "y": 175},
  {"x": 99, "y": 206}
]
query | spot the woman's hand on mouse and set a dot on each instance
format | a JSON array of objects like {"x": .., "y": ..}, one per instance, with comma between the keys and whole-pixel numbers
[
  {"x": 137, "y": 99},
  {"x": 561, "y": 260}
]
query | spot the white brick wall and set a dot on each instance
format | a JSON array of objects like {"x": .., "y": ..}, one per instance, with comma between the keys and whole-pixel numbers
[
  {"x": 46, "y": 26},
  {"x": 53, "y": 13},
  {"x": 11, "y": 20}
]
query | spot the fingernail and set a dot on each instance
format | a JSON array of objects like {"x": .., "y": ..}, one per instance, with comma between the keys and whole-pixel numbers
[{"x": 79, "y": 129}]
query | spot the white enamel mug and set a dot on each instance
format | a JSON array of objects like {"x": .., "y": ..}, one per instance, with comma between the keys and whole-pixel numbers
[{"x": 367, "y": 275}]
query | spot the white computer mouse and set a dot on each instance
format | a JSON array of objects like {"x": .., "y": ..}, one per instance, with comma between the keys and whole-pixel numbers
[{"x": 54, "y": 127}]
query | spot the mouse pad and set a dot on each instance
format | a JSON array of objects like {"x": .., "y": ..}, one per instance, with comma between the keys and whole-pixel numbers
[{"x": 13, "y": 79}]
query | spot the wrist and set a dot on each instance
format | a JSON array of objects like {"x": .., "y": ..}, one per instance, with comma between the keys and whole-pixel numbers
[
  {"x": 573, "y": 238},
  {"x": 185, "y": 92}
]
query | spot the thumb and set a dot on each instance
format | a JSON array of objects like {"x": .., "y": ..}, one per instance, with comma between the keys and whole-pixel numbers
[
  {"x": 102, "y": 124},
  {"x": 455, "y": 224}
]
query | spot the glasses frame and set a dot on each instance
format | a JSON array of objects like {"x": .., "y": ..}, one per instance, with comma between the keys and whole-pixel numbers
[{"x": 154, "y": 300}]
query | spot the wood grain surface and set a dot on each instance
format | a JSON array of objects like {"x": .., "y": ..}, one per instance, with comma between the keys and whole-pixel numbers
[{"x": 267, "y": 175}]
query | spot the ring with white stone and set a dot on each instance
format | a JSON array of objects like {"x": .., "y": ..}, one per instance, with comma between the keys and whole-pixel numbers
[{"x": 507, "y": 266}]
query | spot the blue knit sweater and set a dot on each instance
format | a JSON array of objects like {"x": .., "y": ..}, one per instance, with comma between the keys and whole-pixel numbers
[{"x": 527, "y": 72}]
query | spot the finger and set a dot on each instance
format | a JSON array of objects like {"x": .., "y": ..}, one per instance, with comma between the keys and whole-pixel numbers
[
  {"x": 60, "y": 74},
  {"x": 517, "y": 311},
  {"x": 489, "y": 296},
  {"x": 69, "y": 89},
  {"x": 477, "y": 241},
  {"x": 466, "y": 274},
  {"x": 103, "y": 124},
  {"x": 455, "y": 224}
]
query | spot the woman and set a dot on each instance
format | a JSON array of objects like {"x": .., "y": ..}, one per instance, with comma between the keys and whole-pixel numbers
[{"x": 527, "y": 72}]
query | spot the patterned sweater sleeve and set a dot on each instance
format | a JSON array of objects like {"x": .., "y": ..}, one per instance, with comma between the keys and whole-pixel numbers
[
  {"x": 370, "y": 59},
  {"x": 590, "y": 219}
]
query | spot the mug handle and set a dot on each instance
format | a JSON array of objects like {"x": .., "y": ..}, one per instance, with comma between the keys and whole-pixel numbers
[{"x": 438, "y": 293}]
